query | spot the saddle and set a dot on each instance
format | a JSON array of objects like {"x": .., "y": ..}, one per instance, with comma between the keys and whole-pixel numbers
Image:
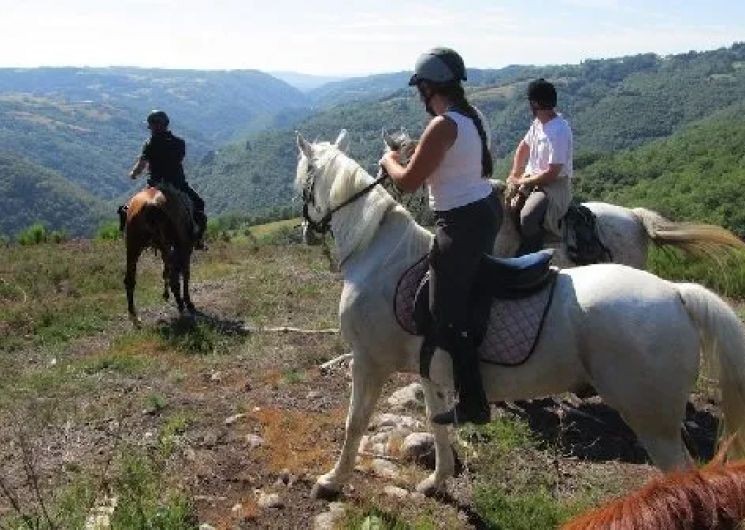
[
  {"x": 508, "y": 304},
  {"x": 581, "y": 237}
]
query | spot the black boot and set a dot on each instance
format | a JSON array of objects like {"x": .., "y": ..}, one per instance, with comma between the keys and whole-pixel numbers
[
  {"x": 472, "y": 404},
  {"x": 200, "y": 223},
  {"x": 530, "y": 244}
]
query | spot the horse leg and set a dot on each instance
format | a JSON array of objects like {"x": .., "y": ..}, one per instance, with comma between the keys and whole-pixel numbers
[
  {"x": 367, "y": 384},
  {"x": 173, "y": 278},
  {"x": 130, "y": 279},
  {"x": 444, "y": 462},
  {"x": 166, "y": 274},
  {"x": 186, "y": 277}
]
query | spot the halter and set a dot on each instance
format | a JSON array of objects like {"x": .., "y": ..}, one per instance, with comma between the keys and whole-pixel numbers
[{"x": 323, "y": 226}]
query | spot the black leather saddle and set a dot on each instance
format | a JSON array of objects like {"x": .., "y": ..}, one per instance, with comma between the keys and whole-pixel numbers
[{"x": 497, "y": 278}]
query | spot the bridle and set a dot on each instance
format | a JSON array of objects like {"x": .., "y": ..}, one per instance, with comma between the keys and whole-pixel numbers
[{"x": 324, "y": 225}]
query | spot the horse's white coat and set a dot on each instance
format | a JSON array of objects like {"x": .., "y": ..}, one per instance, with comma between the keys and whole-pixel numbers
[{"x": 636, "y": 338}]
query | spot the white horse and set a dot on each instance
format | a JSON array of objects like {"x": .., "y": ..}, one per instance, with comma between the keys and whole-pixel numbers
[
  {"x": 626, "y": 232},
  {"x": 634, "y": 337}
]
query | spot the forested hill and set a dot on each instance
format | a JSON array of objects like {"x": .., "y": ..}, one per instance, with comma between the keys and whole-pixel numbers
[
  {"x": 613, "y": 104},
  {"x": 31, "y": 193},
  {"x": 86, "y": 125},
  {"x": 698, "y": 173}
]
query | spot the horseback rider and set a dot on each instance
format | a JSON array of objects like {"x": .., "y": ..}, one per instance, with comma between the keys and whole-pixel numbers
[
  {"x": 163, "y": 155},
  {"x": 543, "y": 169},
  {"x": 453, "y": 158}
]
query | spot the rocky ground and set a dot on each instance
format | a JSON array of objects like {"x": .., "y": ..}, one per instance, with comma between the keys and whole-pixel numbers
[{"x": 241, "y": 420}]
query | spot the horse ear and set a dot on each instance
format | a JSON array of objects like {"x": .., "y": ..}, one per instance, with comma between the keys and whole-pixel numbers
[
  {"x": 305, "y": 147},
  {"x": 388, "y": 139},
  {"x": 342, "y": 141}
]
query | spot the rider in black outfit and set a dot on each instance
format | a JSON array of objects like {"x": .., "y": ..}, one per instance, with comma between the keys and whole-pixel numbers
[{"x": 163, "y": 154}]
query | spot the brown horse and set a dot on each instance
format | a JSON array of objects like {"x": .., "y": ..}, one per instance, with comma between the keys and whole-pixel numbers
[
  {"x": 159, "y": 219},
  {"x": 712, "y": 497}
]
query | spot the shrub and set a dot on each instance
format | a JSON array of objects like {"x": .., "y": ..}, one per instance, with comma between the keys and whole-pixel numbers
[
  {"x": 33, "y": 235},
  {"x": 109, "y": 231}
]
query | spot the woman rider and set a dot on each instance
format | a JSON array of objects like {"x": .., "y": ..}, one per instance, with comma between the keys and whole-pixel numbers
[{"x": 453, "y": 158}]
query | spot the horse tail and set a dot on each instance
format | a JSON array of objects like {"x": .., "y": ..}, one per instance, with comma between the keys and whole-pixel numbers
[
  {"x": 723, "y": 350},
  {"x": 693, "y": 238}
]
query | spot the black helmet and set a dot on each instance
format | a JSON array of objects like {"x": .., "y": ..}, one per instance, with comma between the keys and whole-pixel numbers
[
  {"x": 439, "y": 65},
  {"x": 543, "y": 93},
  {"x": 158, "y": 117}
]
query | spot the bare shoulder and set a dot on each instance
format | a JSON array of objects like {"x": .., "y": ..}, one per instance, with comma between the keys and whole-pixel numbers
[{"x": 442, "y": 129}]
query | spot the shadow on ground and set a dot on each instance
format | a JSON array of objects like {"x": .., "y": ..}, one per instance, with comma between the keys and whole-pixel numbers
[{"x": 592, "y": 430}]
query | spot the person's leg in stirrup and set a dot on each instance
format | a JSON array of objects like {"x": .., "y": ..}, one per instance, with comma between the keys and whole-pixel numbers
[{"x": 531, "y": 223}]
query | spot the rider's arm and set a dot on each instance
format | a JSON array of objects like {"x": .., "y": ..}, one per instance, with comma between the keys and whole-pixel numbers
[
  {"x": 138, "y": 168},
  {"x": 520, "y": 160},
  {"x": 437, "y": 138},
  {"x": 545, "y": 177}
]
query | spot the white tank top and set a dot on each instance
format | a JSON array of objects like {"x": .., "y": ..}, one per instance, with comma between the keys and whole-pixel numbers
[{"x": 457, "y": 180}]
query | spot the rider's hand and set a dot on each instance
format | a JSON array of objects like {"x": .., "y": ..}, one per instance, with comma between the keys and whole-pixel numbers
[
  {"x": 514, "y": 178},
  {"x": 390, "y": 156}
]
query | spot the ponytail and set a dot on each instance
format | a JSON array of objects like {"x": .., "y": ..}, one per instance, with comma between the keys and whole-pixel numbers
[{"x": 461, "y": 105}]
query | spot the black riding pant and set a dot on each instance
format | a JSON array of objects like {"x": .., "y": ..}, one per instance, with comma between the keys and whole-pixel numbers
[{"x": 462, "y": 235}]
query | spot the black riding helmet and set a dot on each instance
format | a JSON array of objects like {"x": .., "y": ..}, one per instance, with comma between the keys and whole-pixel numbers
[
  {"x": 158, "y": 117},
  {"x": 543, "y": 93},
  {"x": 439, "y": 65}
]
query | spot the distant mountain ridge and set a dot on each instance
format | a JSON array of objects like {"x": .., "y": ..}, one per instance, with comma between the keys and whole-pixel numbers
[
  {"x": 613, "y": 104},
  {"x": 306, "y": 82}
]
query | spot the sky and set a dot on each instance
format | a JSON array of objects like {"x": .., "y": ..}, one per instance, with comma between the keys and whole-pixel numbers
[{"x": 353, "y": 37}]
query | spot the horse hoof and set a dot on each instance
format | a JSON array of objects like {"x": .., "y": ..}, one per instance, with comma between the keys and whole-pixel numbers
[
  {"x": 324, "y": 492},
  {"x": 165, "y": 296},
  {"x": 190, "y": 308},
  {"x": 136, "y": 321}
]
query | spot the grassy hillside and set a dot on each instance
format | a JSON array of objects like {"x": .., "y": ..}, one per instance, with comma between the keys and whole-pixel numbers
[{"x": 31, "y": 193}]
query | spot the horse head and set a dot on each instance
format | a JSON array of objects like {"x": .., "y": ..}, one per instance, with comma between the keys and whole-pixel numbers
[{"x": 317, "y": 169}]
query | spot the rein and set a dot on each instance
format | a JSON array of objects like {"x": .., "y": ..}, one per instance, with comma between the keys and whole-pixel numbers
[{"x": 324, "y": 224}]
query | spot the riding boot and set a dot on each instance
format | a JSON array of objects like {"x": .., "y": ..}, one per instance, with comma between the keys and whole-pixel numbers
[
  {"x": 530, "y": 244},
  {"x": 200, "y": 223},
  {"x": 472, "y": 404}
]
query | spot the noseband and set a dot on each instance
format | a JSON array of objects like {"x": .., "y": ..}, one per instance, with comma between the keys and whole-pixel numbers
[{"x": 323, "y": 226}]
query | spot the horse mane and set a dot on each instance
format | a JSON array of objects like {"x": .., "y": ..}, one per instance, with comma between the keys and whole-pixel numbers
[
  {"x": 345, "y": 177},
  {"x": 711, "y": 497}
]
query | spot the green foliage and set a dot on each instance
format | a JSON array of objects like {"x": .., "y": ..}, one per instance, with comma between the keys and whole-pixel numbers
[
  {"x": 109, "y": 231},
  {"x": 141, "y": 503},
  {"x": 33, "y": 235},
  {"x": 534, "y": 510},
  {"x": 724, "y": 274},
  {"x": 696, "y": 174}
]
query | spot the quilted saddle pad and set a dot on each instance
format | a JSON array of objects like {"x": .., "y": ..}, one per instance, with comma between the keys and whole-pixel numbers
[{"x": 512, "y": 328}]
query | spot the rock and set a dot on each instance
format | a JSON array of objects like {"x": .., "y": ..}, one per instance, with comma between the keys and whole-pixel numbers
[
  {"x": 395, "y": 421},
  {"x": 395, "y": 491},
  {"x": 232, "y": 419},
  {"x": 205, "y": 526},
  {"x": 330, "y": 520},
  {"x": 384, "y": 468},
  {"x": 410, "y": 397},
  {"x": 269, "y": 500},
  {"x": 190, "y": 454},
  {"x": 285, "y": 478},
  {"x": 215, "y": 377},
  {"x": 254, "y": 441},
  {"x": 314, "y": 394},
  {"x": 418, "y": 447},
  {"x": 237, "y": 509}
]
